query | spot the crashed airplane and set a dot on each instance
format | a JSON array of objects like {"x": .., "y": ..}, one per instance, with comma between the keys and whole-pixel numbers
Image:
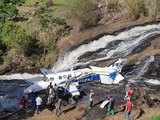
[{"x": 104, "y": 75}]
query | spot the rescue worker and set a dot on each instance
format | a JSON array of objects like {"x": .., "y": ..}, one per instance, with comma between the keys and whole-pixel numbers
[
  {"x": 23, "y": 102},
  {"x": 128, "y": 109}
]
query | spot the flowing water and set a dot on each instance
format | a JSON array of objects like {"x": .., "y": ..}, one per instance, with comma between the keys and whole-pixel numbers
[
  {"x": 130, "y": 39},
  {"x": 108, "y": 46}
]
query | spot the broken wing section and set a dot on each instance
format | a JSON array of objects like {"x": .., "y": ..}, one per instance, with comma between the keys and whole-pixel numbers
[{"x": 73, "y": 90}]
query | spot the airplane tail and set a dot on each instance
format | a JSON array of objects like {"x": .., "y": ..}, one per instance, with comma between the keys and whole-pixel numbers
[
  {"x": 113, "y": 78},
  {"x": 118, "y": 65}
]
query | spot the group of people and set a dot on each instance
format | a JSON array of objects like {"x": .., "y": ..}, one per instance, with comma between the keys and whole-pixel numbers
[
  {"x": 55, "y": 96},
  {"x": 128, "y": 98},
  {"x": 34, "y": 101}
]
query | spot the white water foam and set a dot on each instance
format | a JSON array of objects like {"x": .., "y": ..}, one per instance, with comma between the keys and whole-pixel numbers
[
  {"x": 125, "y": 48},
  {"x": 70, "y": 59},
  {"x": 24, "y": 76},
  {"x": 145, "y": 67},
  {"x": 153, "y": 81}
]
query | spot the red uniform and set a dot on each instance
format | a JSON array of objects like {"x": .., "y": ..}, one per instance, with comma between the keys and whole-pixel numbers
[
  {"x": 23, "y": 103},
  {"x": 130, "y": 93},
  {"x": 129, "y": 106}
]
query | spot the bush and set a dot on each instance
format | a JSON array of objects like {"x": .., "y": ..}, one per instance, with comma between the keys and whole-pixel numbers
[
  {"x": 113, "y": 6},
  {"x": 136, "y": 8},
  {"x": 59, "y": 21},
  {"x": 14, "y": 36},
  {"x": 44, "y": 22},
  {"x": 84, "y": 11},
  {"x": 7, "y": 61}
]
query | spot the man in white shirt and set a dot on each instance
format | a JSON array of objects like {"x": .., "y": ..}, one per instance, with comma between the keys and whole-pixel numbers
[
  {"x": 90, "y": 104},
  {"x": 38, "y": 103}
]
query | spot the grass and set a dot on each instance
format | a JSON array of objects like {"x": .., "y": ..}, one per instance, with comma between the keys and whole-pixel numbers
[
  {"x": 43, "y": 2},
  {"x": 59, "y": 6},
  {"x": 155, "y": 118}
]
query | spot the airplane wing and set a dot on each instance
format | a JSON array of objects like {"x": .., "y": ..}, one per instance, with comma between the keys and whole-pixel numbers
[
  {"x": 73, "y": 90},
  {"x": 45, "y": 71}
]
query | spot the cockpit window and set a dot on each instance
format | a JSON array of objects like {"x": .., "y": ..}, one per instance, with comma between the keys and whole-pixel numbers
[
  {"x": 52, "y": 79},
  {"x": 60, "y": 77}
]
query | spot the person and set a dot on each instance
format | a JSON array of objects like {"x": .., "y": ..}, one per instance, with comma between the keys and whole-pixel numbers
[
  {"x": 51, "y": 95},
  {"x": 128, "y": 109},
  {"x": 129, "y": 94},
  {"x": 72, "y": 101},
  {"x": 67, "y": 85},
  {"x": 55, "y": 87},
  {"x": 58, "y": 105},
  {"x": 111, "y": 105},
  {"x": 38, "y": 104},
  {"x": 129, "y": 91},
  {"x": 128, "y": 86},
  {"x": 90, "y": 104},
  {"x": 23, "y": 102},
  {"x": 33, "y": 100},
  {"x": 49, "y": 86}
]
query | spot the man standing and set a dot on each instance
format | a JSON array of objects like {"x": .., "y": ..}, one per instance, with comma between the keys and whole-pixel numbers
[
  {"x": 90, "y": 104},
  {"x": 129, "y": 106},
  {"x": 38, "y": 103},
  {"x": 58, "y": 105},
  {"x": 33, "y": 100},
  {"x": 23, "y": 102},
  {"x": 111, "y": 105}
]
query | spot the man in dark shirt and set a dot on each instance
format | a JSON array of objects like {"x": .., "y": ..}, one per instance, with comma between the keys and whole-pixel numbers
[{"x": 111, "y": 105}]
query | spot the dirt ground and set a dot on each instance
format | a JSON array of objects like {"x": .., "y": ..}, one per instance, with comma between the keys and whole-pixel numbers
[{"x": 79, "y": 114}]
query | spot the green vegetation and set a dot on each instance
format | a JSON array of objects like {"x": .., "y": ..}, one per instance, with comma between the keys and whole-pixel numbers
[
  {"x": 136, "y": 8},
  {"x": 113, "y": 6},
  {"x": 155, "y": 118},
  {"x": 84, "y": 11},
  {"x": 8, "y": 8},
  {"x": 59, "y": 21},
  {"x": 14, "y": 36},
  {"x": 44, "y": 22},
  {"x": 49, "y": 20}
]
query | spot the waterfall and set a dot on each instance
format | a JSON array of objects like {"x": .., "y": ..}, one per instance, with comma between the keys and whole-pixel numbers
[
  {"x": 140, "y": 70},
  {"x": 145, "y": 67},
  {"x": 130, "y": 39}
]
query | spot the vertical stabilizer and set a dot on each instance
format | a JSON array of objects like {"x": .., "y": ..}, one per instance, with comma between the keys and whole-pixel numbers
[{"x": 118, "y": 65}]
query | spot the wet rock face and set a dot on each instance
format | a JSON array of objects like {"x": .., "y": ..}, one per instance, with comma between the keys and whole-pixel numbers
[
  {"x": 94, "y": 54},
  {"x": 101, "y": 93},
  {"x": 154, "y": 69},
  {"x": 10, "y": 93}
]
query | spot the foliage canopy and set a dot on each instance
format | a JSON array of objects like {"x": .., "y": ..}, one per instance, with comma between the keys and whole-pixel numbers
[
  {"x": 14, "y": 36},
  {"x": 8, "y": 8}
]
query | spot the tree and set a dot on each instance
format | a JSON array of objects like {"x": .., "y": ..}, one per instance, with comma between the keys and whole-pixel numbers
[
  {"x": 14, "y": 36},
  {"x": 8, "y": 8}
]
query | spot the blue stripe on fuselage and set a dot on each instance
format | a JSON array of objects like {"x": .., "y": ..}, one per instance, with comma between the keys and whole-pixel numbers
[{"x": 84, "y": 79}]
